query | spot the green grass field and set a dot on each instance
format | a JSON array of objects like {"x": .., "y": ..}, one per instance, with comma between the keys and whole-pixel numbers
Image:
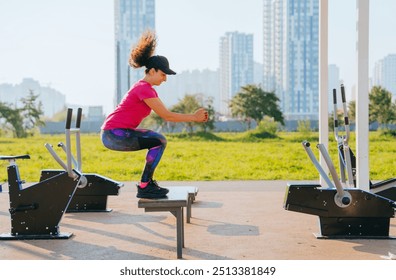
[{"x": 221, "y": 156}]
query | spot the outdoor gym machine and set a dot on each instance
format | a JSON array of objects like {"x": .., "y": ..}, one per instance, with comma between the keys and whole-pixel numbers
[
  {"x": 94, "y": 189},
  {"x": 347, "y": 159},
  {"x": 343, "y": 212},
  {"x": 36, "y": 210}
]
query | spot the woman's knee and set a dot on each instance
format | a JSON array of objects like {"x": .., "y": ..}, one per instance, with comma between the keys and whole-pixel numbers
[
  {"x": 158, "y": 138},
  {"x": 163, "y": 140}
]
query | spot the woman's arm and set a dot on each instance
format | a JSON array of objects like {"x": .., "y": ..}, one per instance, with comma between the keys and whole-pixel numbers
[{"x": 201, "y": 115}]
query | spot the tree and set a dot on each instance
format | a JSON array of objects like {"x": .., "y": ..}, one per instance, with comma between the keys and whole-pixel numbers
[
  {"x": 22, "y": 120},
  {"x": 157, "y": 123},
  {"x": 352, "y": 110},
  {"x": 188, "y": 105},
  {"x": 254, "y": 103},
  {"x": 31, "y": 113},
  {"x": 381, "y": 107},
  {"x": 13, "y": 120},
  {"x": 238, "y": 106},
  {"x": 209, "y": 125}
]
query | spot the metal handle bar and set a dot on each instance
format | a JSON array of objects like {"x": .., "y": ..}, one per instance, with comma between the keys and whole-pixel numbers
[
  {"x": 68, "y": 165},
  {"x": 68, "y": 141},
  {"x": 69, "y": 118},
  {"x": 75, "y": 163},
  {"x": 76, "y": 131},
  {"x": 346, "y": 119},
  {"x": 331, "y": 167},
  {"x": 14, "y": 157},
  {"x": 311, "y": 155},
  {"x": 335, "y": 115},
  {"x": 55, "y": 156},
  {"x": 78, "y": 120},
  {"x": 78, "y": 141}
]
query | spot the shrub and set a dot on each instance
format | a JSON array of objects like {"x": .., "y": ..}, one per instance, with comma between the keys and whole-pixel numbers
[
  {"x": 388, "y": 132},
  {"x": 268, "y": 125}
]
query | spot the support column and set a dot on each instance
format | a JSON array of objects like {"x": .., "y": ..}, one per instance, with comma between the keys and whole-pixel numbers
[
  {"x": 362, "y": 95},
  {"x": 323, "y": 81}
]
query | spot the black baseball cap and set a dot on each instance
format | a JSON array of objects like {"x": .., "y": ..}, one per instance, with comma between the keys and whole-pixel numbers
[{"x": 160, "y": 62}]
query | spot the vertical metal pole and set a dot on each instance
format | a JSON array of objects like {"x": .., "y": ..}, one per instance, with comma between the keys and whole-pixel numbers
[
  {"x": 345, "y": 141},
  {"x": 179, "y": 232},
  {"x": 68, "y": 142},
  {"x": 188, "y": 212},
  {"x": 323, "y": 79},
  {"x": 338, "y": 138},
  {"x": 362, "y": 98},
  {"x": 78, "y": 141}
]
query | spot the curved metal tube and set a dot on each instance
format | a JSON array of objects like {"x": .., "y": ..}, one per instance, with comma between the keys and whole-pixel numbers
[
  {"x": 332, "y": 169},
  {"x": 311, "y": 155}
]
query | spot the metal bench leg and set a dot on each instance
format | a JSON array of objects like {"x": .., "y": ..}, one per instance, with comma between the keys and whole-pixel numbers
[
  {"x": 179, "y": 231},
  {"x": 189, "y": 202},
  {"x": 182, "y": 224}
]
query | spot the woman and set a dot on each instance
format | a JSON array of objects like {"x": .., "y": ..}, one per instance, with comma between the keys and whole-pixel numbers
[{"x": 119, "y": 130}]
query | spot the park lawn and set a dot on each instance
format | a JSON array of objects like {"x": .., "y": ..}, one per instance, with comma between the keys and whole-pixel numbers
[{"x": 223, "y": 156}]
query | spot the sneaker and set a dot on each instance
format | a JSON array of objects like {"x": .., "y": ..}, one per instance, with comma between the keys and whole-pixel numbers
[{"x": 152, "y": 190}]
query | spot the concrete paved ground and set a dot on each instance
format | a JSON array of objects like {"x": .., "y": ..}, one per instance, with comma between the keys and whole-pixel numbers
[{"x": 231, "y": 220}]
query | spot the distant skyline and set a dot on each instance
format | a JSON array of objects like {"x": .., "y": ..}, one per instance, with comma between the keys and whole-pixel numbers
[{"x": 69, "y": 44}]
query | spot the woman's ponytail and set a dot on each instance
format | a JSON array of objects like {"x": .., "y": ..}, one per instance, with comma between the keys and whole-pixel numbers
[{"x": 143, "y": 50}]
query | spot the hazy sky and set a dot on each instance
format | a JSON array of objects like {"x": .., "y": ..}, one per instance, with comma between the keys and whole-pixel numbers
[{"x": 69, "y": 44}]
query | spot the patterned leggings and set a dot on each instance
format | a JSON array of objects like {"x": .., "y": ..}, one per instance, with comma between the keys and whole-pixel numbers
[{"x": 134, "y": 140}]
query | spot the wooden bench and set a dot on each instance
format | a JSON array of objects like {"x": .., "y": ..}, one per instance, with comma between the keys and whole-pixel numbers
[{"x": 176, "y": 200}]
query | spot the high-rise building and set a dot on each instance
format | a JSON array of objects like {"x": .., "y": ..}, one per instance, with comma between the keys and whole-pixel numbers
[
  {"x": 291, "y": 56},
  {"x": 236, "y": 66},
  {"x": 132, "y": 18},
  {"x": 385, "y": 74}
]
